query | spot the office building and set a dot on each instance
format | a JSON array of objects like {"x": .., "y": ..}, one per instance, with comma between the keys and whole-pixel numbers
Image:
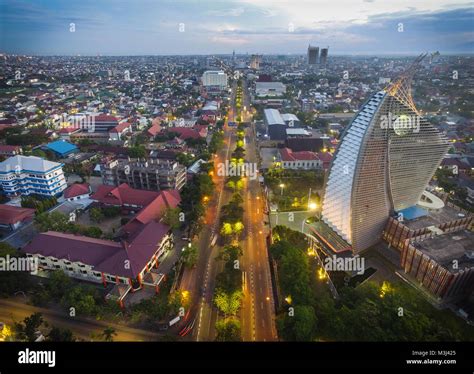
[
  {"x": 386, "y": 157},
  {"x": 324, "y": 56},
  {"x": 255, "y": 62},
  {"x": 214, "y": 79},
  {"x": 313, "y": 55}
]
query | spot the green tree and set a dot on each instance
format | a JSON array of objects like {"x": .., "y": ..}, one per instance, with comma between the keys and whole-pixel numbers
[
  {"x": 60, "y": 335},
  {"x": 226, "y": 229},
  {"x": 300, "y": 326},
  {"x": 171, "y": 217},
  {"x": 138, "y": 151},
  {"x": 229, "y": 304},
  {"x": 12, "y": 281},
  {"x": 108, "y": 334},
  {"x": 26, "y": 330},
  {"x": 295, "y": 275},
  {"x": 54, "y": 221},
  {"x": 96, "y": 215},
  {"x": 190, "y": 256},
  {"x": 228, "y": 330},
  {"x": 81, "y": 298}
]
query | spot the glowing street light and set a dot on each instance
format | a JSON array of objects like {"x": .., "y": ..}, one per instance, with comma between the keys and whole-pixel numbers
[
  {"x": 312, "y": 206},
  {"x": 322, "y": 274},
  {"x": 282, "y": 186}
]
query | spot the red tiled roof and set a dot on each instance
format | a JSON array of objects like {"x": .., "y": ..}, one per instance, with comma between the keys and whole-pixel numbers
[
  {"x": 103, "y": 255},
  {"x": 325, "y": 156},
  {"x": 123, "y": 195},
  {"x": 288, "y": 155},
  {"x": 9, "y": 148},
  {"x": 13, "y": 214},
  {"x": 186, "y": 132},
  {"x": 153, "y": 130},
  {"x": 105, "y": 118},
  {"x": 69, "y": 130},
  {"x": 120, "y": 127},
  {"x": 76, "y": 189},
  {"x": 154, "y": 210}
]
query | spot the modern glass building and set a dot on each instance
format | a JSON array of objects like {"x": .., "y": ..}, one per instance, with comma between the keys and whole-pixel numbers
[{"x": 385, "y": 159}]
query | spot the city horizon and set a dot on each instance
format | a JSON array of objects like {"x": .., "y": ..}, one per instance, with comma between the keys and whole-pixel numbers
[{"x": 174, "y": 28}]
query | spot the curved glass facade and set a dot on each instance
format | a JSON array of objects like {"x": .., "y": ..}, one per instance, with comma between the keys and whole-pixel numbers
[{"x": 383, "y": 163}]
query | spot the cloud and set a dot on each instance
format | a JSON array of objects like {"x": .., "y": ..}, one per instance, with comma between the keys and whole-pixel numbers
[{"x": 233, "y": 12}]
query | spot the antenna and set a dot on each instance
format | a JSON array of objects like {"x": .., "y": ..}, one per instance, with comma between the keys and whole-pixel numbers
[{"x": 401, "y": 87}]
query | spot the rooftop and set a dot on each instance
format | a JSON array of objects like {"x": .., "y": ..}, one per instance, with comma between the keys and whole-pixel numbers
[
  {"x": 61, "y": 147},
  {"x": 273, "y": 117},
  {"x": 120, "y": 127},
  {"x": 11, "y": 214},
  {"x": 30, "y": 163},
  {"x": 446, "y": 248},
  {"x": 433, "y": 218},
  {"x": 76, "y": 189},
  {"x": 124, "y": 195},
  {"x": 103, "y": 255},
  {"x": 332, "y": 240},
  {"x": 288, "y": 155}
]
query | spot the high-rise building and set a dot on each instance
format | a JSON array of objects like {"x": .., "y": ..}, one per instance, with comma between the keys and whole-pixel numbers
[
  {"x": 386, "y": 157},
  {"x": 323, "y": 60},
  {"x": 313, "y": 55},
  {"x": 255, "y": 62}
]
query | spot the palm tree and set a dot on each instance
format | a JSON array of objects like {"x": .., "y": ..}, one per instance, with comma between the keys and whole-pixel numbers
[{"x": 108, "y": 334}]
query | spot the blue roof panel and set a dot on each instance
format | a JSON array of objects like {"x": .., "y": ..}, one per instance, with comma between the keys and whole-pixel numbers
[{"x": 61, "y": 147}]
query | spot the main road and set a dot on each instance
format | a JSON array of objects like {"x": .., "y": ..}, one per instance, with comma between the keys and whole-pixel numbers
[
  {"x": 200, "y": 280},
  {"x": 258, "y": 310}
]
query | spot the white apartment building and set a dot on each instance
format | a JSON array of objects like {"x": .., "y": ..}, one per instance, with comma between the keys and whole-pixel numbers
[{"x": 26, "y": 175}]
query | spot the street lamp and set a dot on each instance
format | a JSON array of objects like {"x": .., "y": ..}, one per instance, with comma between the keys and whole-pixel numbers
[
  {"x": 312, "y": 206},
  {"x": 282, "y": 186}
]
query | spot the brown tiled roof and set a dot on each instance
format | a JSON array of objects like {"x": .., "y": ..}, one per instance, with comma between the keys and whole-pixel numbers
[{"x": 13, "y": 214}]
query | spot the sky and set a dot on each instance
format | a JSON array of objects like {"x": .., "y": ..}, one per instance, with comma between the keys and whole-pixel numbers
[{"x": 170, "y": 27}]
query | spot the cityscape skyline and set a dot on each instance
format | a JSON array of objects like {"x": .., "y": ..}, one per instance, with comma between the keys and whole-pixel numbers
[
  {"x": 190, "y": 27},
  {"x": 237, "y": 171}
]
